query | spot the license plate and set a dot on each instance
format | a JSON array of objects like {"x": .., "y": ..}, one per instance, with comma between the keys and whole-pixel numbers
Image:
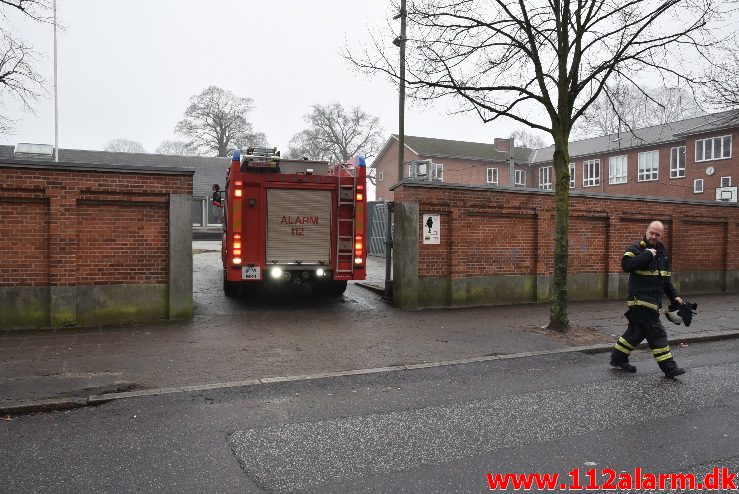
[{"x": 251, "y": 274}]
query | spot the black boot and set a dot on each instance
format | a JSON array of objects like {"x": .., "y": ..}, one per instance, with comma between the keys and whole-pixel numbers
[
  {"x": 670, "y": 368},
  {"x": 674, "y": 372},
  {"x": 624, "y": 365}
]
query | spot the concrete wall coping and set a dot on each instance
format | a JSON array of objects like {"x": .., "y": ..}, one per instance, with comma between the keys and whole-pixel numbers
[
  {"x": 88, "y": 167},
  {"x": 521, "y": 190}
]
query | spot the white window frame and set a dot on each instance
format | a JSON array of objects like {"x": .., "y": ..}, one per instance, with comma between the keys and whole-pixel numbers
[
  {"x": 727, "y": 180},
  {"x": 492, "y": 176},
  {"x": 591, "y": 173},
  {"x": 711, "y": 145},
  {"x": 698, "y": 186},
  {"x": 678, "y": 156},
  {"x": 545, "y": 177},
  {"x": 572, "y": 175},
  {"x": 437, "y": 172},
  {"x": 618, "y": 167},
  {"x": 380, "y": 176},
  {"x": 648, "y": 168},
  {"x": 519, "y": 178}
]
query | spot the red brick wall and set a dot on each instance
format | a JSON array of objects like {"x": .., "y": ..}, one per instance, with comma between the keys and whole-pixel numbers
[
  {"x": 488, "y": 232},
  {"x": 75, "y": 227},
  {"x": 122, "y": 243},
  {"x": 24, "y": 242}
]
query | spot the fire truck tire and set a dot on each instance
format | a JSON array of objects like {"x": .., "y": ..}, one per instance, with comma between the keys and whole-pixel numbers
[
  {"x": 230, "y": 288},
  {"x": 332, "y": 288}
]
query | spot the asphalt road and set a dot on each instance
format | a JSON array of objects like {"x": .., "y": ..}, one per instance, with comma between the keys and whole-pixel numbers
[{"x": 427, "y": 430}]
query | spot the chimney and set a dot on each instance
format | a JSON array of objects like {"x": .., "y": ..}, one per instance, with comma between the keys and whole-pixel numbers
[{"x": 502, "y": 145}]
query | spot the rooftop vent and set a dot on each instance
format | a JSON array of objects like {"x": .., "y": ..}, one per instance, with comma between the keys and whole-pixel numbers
[{"x": 29, "y": 150}]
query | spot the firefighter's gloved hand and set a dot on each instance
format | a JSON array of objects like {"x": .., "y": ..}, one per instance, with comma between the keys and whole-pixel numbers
[{"x": 687, "y": 311}]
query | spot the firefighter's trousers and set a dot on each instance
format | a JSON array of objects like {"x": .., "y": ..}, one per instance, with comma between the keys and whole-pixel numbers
[{"x": 644, "y": 323}]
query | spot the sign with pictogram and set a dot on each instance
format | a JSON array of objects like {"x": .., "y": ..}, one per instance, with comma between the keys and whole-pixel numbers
[{"x": 431, "y": 229}]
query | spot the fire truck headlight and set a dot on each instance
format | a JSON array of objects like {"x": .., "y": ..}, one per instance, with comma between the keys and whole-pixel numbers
[
  {"x": 276, "y": 272},
  {"x": 320, "y": 272}
]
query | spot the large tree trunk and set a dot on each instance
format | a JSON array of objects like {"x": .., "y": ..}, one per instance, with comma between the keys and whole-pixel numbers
[{"x": 558, "y": 320}]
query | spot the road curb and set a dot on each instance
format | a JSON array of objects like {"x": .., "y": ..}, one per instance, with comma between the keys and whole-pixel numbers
[{"x": 23, "y": 407}]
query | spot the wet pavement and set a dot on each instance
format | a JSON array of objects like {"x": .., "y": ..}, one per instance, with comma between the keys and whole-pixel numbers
[{"x": 253, "y": 340}]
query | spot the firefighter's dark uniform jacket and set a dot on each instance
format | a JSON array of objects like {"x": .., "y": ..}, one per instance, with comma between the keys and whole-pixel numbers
[{"x": 649, "y": 278}]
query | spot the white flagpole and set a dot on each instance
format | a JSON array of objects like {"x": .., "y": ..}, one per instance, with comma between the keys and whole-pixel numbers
[{"x": 56, "y": 97}]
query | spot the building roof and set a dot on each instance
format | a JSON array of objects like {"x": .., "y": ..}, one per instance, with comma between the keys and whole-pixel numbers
[
  {"x": 208, "y": 170},
  {"x": 648, "y": 136},
  {"x": 429, "y": 147}
]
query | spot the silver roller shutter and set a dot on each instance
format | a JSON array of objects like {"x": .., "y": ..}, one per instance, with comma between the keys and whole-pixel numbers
[{"x": 298, "y": 226}]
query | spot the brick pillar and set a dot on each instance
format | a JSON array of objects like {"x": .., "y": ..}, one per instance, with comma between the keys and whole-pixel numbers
[
  {"x": 615, "y": 278},
  {"x": 457, "y": 267},
  {"x": 731, "y": 264},
  {"x": 544, "y": 253},
  {"x": 62, "y": 255}
]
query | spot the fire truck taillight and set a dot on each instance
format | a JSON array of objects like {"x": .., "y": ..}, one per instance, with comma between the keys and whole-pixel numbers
[
  {"x": 360, "y": 196},
  {"x": 238, "y": 191},
  {"x": 236, "y": 248},
  {"x": 358, "y": 249}
]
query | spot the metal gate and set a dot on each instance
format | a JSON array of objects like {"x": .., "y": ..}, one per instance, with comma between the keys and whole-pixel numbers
[{"x": 377, "y": 218}]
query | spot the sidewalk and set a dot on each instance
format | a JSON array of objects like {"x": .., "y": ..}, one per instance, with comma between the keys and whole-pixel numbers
[{"x": 243, "y": 342}]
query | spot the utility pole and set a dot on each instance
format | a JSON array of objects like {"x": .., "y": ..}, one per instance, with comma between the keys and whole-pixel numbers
[{"x": 400, "y": 43}]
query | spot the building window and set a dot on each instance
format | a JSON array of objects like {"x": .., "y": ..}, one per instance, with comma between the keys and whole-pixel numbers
[
  {"x": 698, "y": 186},
  {"x": 648, "y": 166},
  {"x": 714, "y": 148},
  {"x": 545, "y": 178},
  {"x": 617, "y": 170},
  {"x": 725, "y": 181},
  {"x": 380, "y": 176},
  {"x": 437, "y": 172},
  {"x": 520, "y": 178},
  {"x": 677, "y": 162},
  {"x": 572, "y": 175},
  {"x": 590, "y": 173},
  {"x": 492, "y": 176}
]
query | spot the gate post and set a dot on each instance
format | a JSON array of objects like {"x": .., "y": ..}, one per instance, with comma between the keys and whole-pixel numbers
[{"x": 405, "y": 261}]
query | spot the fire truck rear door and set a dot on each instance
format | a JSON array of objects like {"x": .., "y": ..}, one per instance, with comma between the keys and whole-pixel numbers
[{"x": 298, "y": 226}]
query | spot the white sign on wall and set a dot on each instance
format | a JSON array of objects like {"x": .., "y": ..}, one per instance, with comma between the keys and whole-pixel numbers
[{"x": 431, "y": 229}]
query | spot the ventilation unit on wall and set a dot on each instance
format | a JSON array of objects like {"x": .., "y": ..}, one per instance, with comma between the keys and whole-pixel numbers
[
  {"x": 726, "y": 194},
  {"x": 419, "y": 169}
]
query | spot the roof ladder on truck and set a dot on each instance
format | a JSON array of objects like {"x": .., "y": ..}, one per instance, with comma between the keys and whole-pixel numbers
[{"x": 345, "y": 227}]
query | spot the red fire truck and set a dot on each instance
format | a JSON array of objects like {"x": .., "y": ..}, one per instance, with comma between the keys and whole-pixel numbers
[{"x": 294, "y": 221}]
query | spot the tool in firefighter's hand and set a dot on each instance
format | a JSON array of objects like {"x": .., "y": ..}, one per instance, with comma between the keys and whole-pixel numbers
[{"x": 679, "y": 313}]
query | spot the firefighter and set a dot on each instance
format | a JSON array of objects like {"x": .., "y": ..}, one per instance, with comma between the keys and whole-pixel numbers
[{"x": 648, "y": 266}]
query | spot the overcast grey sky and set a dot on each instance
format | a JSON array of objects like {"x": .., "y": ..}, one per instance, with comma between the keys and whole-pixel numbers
[{"x": 127, "y": 69}]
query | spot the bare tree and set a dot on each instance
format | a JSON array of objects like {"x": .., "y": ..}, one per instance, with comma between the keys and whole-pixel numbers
[
  {"x": 18, "y": 75},
  {"x": 215, "y": 122},
  {"x": 527, "y": 139},
  {"x": 543, "y": 64},
  {"x": 335, "y": 134},
  {"x": 626, "y": 107},
  {"x": 723, "y": 89},
  {"x": 177, "y": 148},
  {"x": 124, "y": 146}
]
